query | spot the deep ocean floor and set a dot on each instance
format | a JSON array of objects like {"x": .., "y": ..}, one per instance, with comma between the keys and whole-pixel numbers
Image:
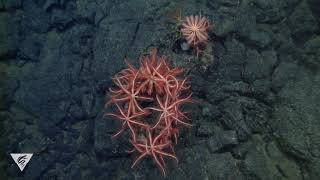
[{"x": 258, "y": 83}]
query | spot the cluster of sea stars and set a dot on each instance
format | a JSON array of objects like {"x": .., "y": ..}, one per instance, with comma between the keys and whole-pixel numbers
[{"x": 149, "y": 102}]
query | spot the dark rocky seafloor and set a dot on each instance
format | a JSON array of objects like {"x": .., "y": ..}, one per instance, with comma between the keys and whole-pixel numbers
[{"x": 259, "y": 116}]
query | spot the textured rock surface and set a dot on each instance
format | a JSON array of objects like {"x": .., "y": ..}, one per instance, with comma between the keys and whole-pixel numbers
[
  {"x": 259, "y": 111},
  {"x": 297, "y": 120}
]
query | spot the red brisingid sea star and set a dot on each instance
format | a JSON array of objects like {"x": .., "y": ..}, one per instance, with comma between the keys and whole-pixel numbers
[
  {"x": 129, "y": 93},
  {"x": 160, "y": 118},
  {"x": 169, "y": 111},
  {"x": 154, "y": 71},
  {"x": 129, "y": 120},
  {"x": 155, "y": 147}
]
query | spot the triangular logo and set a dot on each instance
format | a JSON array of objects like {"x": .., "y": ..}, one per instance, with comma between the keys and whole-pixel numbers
[{"x": 21, "y": 159}]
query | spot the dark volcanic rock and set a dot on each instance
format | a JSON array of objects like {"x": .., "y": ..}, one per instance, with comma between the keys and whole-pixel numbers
[
  {"x": 205, "y": 129},
  {"x": 283, "y": 73},
  {"x": 61, "y": 19},
  {"x": 232, "y": 61},
  {"x": 312, "y": 50},
  {"x": 266, "y": 161},
  {"x": 10, "y": 85},
  {"x": 302, "y": 23},
  {"x": 269, "y": 11},
  {"x": 35, "y": 19},
  {"x": 259, "y": 65},
  {"x": 11, "y": 4},
  {"x": 225, "y": 20},
  {"x": 315, "y": 8},
  {"x": 257, "y": 116},
  {"x": 296, "y": 119},
  {"x": 245, "y": 116},
  {"x": 30, "y": 48},
  {"x": 104, "y": 146},
  {"x": 209, "y": 166},
  {"x": 9, "y": 34},
  {"x": 260, "y": 38},
  {"x": 222, "y": 140}
]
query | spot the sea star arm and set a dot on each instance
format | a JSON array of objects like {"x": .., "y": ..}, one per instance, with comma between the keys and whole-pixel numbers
[
  {"x": 139, "y": 159},
  {"x": 186, "y": 99},
  {"x": 180, "y": 121},
  {"x": 166, "y": 154},
  {"x": 120, "y": 131}
]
